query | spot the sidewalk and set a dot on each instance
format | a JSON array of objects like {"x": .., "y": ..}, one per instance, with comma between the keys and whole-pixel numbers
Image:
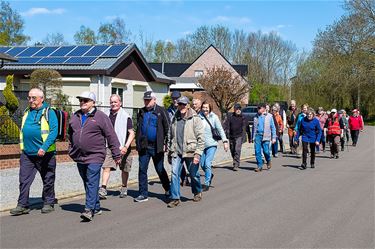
[{"x": 69, "y": 184}]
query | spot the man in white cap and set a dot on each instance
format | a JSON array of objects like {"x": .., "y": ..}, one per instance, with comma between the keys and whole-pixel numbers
[
  {"x": 90, "y": 130},
  {"x": 334, "y": 129}
]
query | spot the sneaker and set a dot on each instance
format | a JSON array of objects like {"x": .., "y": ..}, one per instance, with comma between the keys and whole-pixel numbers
[
  {"x": 102, "y": 193},
  {"x": 19, "y": 210},
  {"x": 197, "y": 197},
  {"x": 303, "y": 166},
  {"x": 337, "y": 156},
  {"x": 276, "y": 155},
  {"x": 258, "y": 170},
  {"x": 141, "y": 198},
  {"x": 331, "y": 156},
  {"x": 87, "y": 215},
  {"x": 235, "y": 168},
  {"x": 47, "y": 208},
  {"x": 123, "y": 192},
  {"x": 269, "y": 165},
  {"x": 173, "y": 203},
  {"x": 98, "y": 212},
  {"x": 312, "y": 166}
]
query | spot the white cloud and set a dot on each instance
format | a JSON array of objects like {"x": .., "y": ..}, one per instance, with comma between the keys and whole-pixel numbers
[
  {"x": 188, "y": 32},
  {"x": 231, "y": 19},
  {"x": 43, "y": 11}
]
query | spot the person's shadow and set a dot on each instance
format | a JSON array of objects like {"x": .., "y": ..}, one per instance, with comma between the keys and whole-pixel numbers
[{"x": 291, "y": 166}]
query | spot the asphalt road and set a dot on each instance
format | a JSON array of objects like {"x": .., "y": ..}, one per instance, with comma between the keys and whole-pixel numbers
[{"x": 331, "y": 206}]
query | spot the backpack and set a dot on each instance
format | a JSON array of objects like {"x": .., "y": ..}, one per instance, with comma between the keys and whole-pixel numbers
[{"x": 62, "y": 120}]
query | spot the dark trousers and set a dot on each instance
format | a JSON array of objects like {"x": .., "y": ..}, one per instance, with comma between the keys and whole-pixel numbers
[
  {"x": 46, "y": 166},
  {"x": 235, "y": 145},
  {"x": 334, "y": 142},
  {"x": 281, "y": 142},
  {"x": 305, "y": 150},
  {"x": 90, "y": 174},
  {"x": 355, "y": 135},
  {"x": 322, "y": 142},
  {"x": 158, "y": 159}
]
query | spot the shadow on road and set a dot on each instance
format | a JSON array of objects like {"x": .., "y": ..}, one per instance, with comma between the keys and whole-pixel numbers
[{"x": 291, "y": 166}]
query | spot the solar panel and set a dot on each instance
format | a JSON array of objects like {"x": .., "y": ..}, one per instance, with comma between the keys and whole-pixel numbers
[
  {"x": 52, "y": 60},
  {"x": 81, "y": 60},
  {"x": 26, "y": 60},
  {"x": 96, "y": 50},
  {"x": 63, "y": 51},
  {"x": 79, "y": 50},
  {"x": 16, "y": 50},
  {"x": 45, "y": 51},
  {"x": 114, "y": 51},
  {"x": 4, "y": 49},
  {"x": 30, "y": 51}
]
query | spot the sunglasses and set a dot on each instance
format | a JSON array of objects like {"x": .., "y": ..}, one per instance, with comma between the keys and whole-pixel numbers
[
  {"x": 181, "y": 104},
  {"x": 32, "y": 98},
  {"x": 84, "y": 100}
]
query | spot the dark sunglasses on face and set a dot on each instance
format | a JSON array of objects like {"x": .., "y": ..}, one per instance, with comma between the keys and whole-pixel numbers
[
  {"x": 181, "y": 104},
  {"x": 32, "y": 98},
  {"x": 84, "y": 100}
]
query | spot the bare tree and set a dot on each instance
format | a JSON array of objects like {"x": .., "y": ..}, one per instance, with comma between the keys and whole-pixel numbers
[{"x": 223, "y": 87}]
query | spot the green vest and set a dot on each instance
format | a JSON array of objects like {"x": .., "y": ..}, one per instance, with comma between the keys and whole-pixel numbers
[{"x": 44, "y": 130}]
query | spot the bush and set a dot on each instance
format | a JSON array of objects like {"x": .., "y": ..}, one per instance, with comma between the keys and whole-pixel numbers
[
  {"x": 167, "y": 101},
  {"x": 11, "y": 100}
]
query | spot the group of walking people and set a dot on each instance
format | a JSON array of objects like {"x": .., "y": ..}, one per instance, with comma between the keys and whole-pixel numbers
[{"x": 187, "y": 133}]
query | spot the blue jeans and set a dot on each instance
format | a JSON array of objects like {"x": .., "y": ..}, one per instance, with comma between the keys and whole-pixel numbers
[
  {"x": 206, "y": 163},
  {"x": 158, "y": 159},
  {"x": 90, "y": 174},
  {"x": 275, "y": 147},
  {"x": 259, "y": 146},
  {"x": 177, "y": 163}
]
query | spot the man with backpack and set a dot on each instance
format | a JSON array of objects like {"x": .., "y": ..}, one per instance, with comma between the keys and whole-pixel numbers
[
  {"x": 334, "y": 128},
  {"x": 37, "y": 142}
]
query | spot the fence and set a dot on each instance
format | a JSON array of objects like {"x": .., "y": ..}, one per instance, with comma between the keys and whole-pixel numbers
[{"x": 9, "y": 135}]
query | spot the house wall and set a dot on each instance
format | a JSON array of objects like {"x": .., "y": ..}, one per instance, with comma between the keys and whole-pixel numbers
[{"x": 210, "y": 59}]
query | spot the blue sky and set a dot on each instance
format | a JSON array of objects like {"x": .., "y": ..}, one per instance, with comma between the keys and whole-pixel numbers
[{"x": 297, "y": 21}]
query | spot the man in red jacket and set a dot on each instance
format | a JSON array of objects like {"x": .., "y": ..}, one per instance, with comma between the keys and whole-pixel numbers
[{"x": 355, "y": 125}]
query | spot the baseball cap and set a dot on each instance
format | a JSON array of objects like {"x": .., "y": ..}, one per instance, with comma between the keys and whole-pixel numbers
[
  {"x": 87, "y": 95},
  {"x": 237, "y": 106},
  {"x": 149, "y": 95},
  {"x": 355, "y": 110},
  {"x": 175, "y": 94},
  {"x": 333, "y": 110},
  {"x": 183, "y": 100}
]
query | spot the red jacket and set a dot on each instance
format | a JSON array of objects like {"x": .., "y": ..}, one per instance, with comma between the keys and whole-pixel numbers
[{"x": 355, "y": 123}]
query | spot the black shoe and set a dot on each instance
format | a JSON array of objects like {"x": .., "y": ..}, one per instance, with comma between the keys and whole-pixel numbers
[
  {"x": 303, "y": 166},
  {"x": 87, "y": 215},
  {"x": 206, "y": 188},
  {"x": 47, "y": 208},
  {"x": 312, "y": 166},
  {"x": 19, "y": 211},
  {"x": 337, "y": 156},
  {"x": 212, "y": 176}
]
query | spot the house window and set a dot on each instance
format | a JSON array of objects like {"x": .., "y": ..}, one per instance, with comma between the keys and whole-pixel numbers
[
  {"x": 198, "y": 73},
  {"x": 118, "y": 91}
]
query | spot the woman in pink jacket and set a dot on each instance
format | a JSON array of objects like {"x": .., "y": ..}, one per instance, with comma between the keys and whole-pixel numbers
[{"x": 355, "y": 125}]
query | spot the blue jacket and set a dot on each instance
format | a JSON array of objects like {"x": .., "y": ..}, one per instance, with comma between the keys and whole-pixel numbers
[
  {"x": 309, "y": 130},
  {"x": 215, "y": 122},
  {"x": 32, "y": 137}
]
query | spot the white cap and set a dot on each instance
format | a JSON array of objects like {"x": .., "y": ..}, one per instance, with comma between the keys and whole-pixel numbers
[
  {"x": 334, "y": 110},
  {"x": 87, "y": 95}
]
